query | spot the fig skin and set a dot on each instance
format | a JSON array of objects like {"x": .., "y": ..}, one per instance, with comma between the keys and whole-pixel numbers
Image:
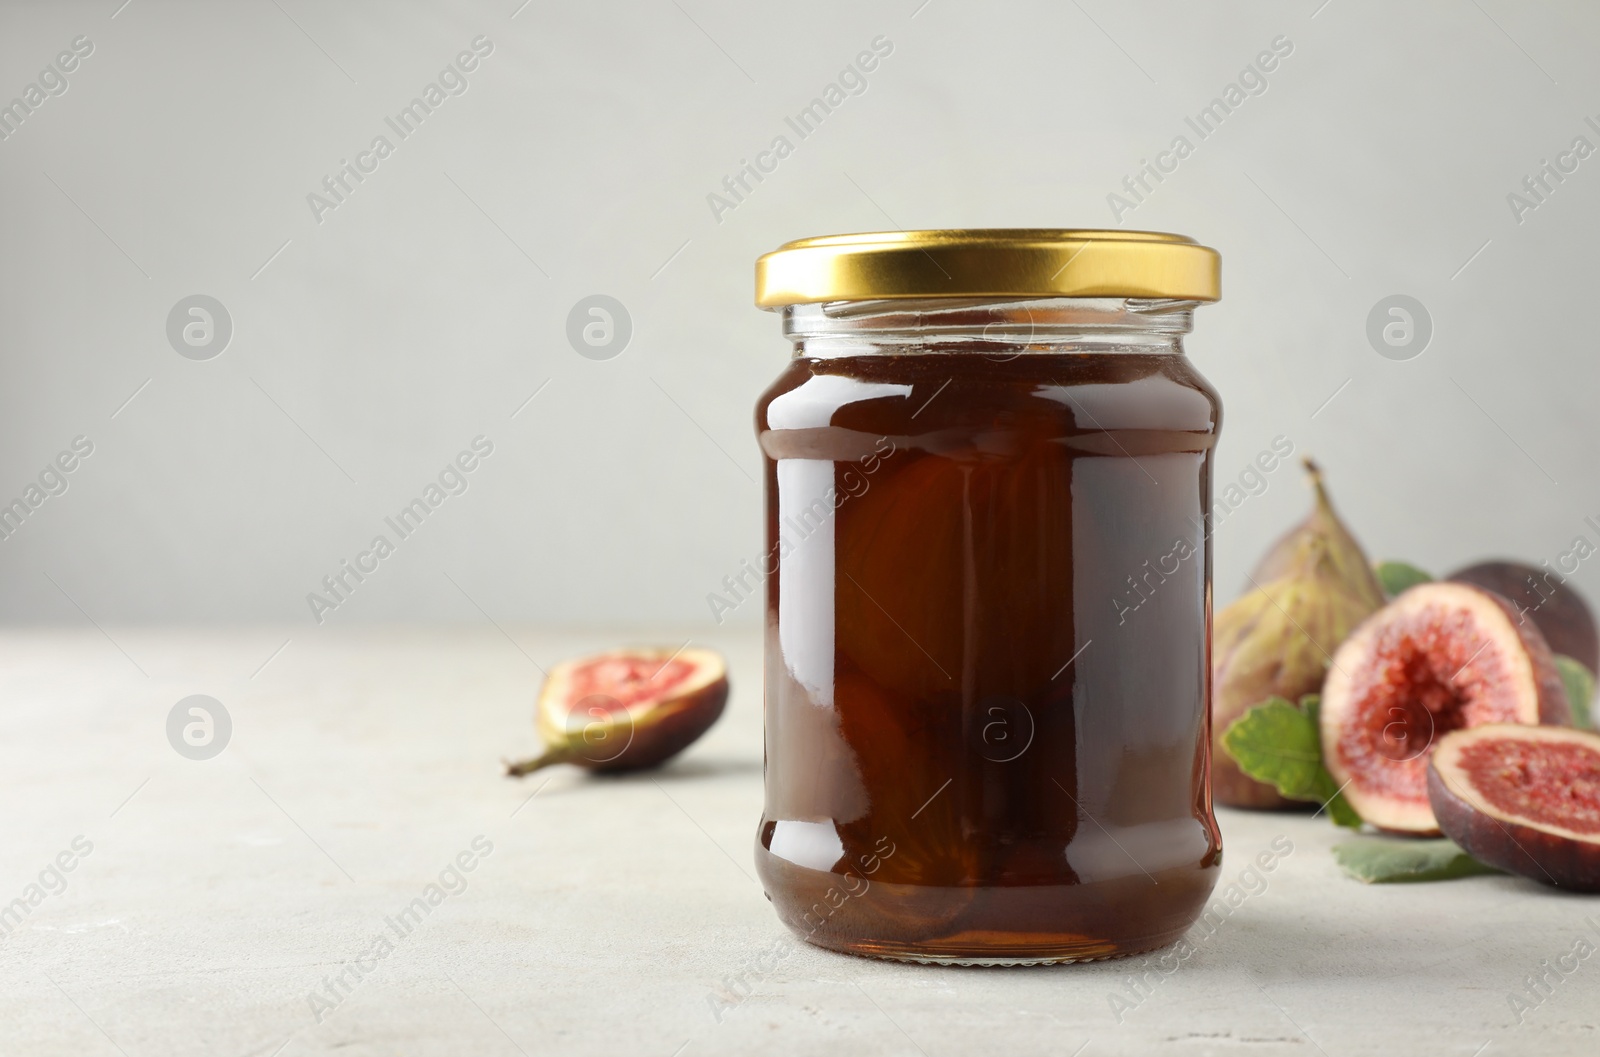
[
  {"x": 1310, "y": 591},
  {"x": 1563, "y": 616},
  {"x": 1346, "y": 560},
  {"x": 1264, "y": 646},
  {"x": 1516, "y": 847},
  {"x": 1409, "y": 819},
  {"x": 656, "y": 730}
]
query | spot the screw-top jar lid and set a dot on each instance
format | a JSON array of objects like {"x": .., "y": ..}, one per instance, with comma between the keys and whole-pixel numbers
[{"x": 988, "y": 262}]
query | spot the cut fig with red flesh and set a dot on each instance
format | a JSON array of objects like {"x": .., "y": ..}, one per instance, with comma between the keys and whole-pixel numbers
[
  {"x": 626, "y": 709},
  {"x": 1525, "y": 799},
  {"x": 1440, "y": 657}
]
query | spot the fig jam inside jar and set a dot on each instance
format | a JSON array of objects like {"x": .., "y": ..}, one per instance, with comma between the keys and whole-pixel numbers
[{"x": 988, "y": 486}]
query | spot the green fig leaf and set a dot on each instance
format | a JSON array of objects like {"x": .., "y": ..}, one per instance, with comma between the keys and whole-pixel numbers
[
  {"x": 1311, "y": 705},
  {"x": 1388, "y": 860},
  {"x": 1579, "y": 682},
  {"x": 1279, "y": 743},
  {"x": 1397, "y": 576},
  {"x": 1339, "y": 810}
]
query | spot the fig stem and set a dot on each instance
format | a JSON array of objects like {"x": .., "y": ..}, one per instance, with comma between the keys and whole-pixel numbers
[
  {"x": 550, "y": 756},
  {"x": 1314, "y": 472},
  {"x": 1318, "y": 491}
]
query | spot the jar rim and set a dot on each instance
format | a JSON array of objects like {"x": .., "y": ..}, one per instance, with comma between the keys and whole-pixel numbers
[{"x": 988, "y": 262}]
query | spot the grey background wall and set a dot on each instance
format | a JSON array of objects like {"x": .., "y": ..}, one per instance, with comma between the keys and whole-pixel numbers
[{"x": 373, "y": 339}]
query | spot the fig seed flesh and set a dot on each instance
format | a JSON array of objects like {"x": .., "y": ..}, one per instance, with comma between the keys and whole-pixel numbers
[
  {"x": 1524, "y": 799},
  {"x": 626, "y": 709},
  {"x": 1440, "y": 657}
]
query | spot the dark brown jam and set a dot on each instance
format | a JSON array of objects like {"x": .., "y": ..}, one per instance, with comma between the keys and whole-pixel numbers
[{"x": 987, "y": 653}]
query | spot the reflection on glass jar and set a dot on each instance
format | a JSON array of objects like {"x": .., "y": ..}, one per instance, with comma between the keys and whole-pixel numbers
[{"x": 987, "y": 659}]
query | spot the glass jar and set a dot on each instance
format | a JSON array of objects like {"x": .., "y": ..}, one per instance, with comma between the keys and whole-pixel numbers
[{"x": 988, "y": 488}]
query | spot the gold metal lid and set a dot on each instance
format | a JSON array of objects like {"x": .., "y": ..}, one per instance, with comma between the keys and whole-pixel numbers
[{"x": 988, "y": 262}]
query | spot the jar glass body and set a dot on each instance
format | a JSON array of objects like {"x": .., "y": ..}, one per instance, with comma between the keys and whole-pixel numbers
[{"x": 987, "y": 626}]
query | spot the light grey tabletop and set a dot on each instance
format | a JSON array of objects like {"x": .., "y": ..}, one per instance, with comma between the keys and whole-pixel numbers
[{"x": 250, "y": 903}]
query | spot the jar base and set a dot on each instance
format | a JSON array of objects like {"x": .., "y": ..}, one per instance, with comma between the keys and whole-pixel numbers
[
  {"x": 1024, "y": 955},
  {"x": 1045, "y": 924}
]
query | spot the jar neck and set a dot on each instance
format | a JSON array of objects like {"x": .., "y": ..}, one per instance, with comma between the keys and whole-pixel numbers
[{"x": 989, "y": 326}]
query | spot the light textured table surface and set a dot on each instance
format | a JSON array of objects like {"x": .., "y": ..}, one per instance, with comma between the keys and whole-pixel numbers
[{"x": 611, "y": 916}]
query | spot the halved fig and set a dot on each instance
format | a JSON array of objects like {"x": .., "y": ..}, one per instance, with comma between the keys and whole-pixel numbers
[
  {"x": 626, "y": 709},
  {"x": 1544, "y": 597},
  {"x": 1525, "y": 799},
  {"x": 1440, "y": 657}
]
